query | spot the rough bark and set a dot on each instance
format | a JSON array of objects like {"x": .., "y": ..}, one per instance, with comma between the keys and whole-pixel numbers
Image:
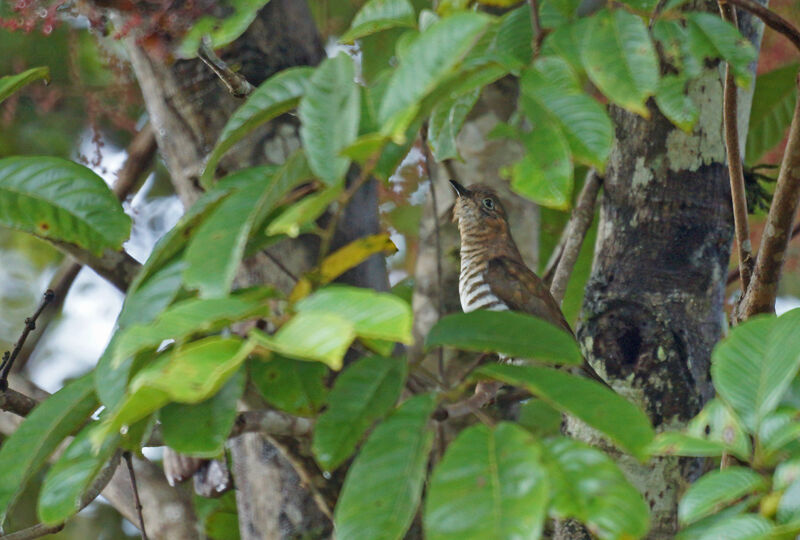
[
  {"x": 653, "y": 308},
  {"x": 188, "y": 106}
]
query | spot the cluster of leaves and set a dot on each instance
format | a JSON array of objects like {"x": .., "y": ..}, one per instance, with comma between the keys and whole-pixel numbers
[
  {"x": 755, "y": 418},
  {"x": 173, "y": 359}
]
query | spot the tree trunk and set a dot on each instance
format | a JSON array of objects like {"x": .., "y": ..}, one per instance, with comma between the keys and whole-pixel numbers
[{"x": 654, "y": 302}]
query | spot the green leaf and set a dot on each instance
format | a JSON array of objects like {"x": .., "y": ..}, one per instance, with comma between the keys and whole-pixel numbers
[
  {"x": 671, "y": 443},
  {"x": 201, "y": 429},
  {"x": 188, "y": 374},
  {"x": 187, "y": 318},
  {"x": 789, "y": 504},
  {"x": 293, "y": 386},
  {"x": 11, "y": 83},
  {"x": 675, "y": 104},
  {"x": 544, "y": 174},
  {"x": 291, "y": 221},
  {"x": 329, "y": 112},
  {"x": 620, "y": 59},
  {"x": 755, "y": 364},
  {"x": 741, "y": 527},
  {"x": 716, "y": 422},
  {"x": 778, "y": 429},
  {"x": 490, "y": 484},
  {"x": 507, "y": 332},
  {"x": 588, "y": 486},
  {"x": 70, "y": 476},
  {"x": 587, "y": 400},
  {"x": 445, "y": 123},
  {"x": 539, "y": 418},
  {"x": 273, "y": 97},
  {"x": 221, "y": 32},
  {"x": 716, "y": 490},
  {"x": 711, "y": 37},
  {"x": 363, "y": 393},
  {"x": 321, "y": 337},
  {"x": 552, "y": 93},
  {"x": 555, "y": 13},
  {"x": 377, "y": 15},
  {"x": 773, "y": 104},
  {"x": 140, "y": 307},
  {"x": 383, "y": 486},
  {"x": 60, "y": 200},
  {"x": 431, "y": 58},
  {"x": 373, "y": 314},
  {"x": 566, "y": 42},
  {"x": 214, "y": 252},
  {"x": 673, "y": 37},
  {"x": 26, "y": 450}
]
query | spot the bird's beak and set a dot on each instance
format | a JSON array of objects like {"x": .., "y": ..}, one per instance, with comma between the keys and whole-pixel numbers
[{"x": 460, "y": 190}]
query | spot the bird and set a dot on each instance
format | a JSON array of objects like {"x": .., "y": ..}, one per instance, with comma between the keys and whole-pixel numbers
[{"x": 493, "y": 275}]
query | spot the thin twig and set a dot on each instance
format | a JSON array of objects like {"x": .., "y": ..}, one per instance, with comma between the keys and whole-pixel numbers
[
  {"x": 280, "y": 265},
  {"x": 36, "y": 531},
  {"x": 30, "y": 325},
  {"x": 771, "y": 19},
  {"x": 236, "y": 84},
  {"x": 129, "y": 462},
  {"x": 116, "y": 267},
  {"x": 760, "y": 295},
  {"x": 438, "y": 245},
  {"x": 733, "y": 275},
  {"x": 735, "y": 173},
  {"x": 536, "y": 26},
  {"x": 141, "y": 152},
  {"x": 578, "y": 225}
]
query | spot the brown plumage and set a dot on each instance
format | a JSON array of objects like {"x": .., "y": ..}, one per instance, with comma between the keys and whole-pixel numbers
[{"x": 493, "y": 274}]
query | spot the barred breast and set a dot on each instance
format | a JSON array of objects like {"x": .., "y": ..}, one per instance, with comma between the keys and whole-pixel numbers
[{"x": 473, "y": 289}]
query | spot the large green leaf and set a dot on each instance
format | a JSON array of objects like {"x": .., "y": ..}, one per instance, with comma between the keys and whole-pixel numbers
[
  {"x": 329, "y": 112},
  {"x": 25, "y": 451},
  {"x": 429, "y": 59},
  {"x": 773, "y": 104},
  {"x": 57, "y": 199},
  {"x": 445, "y": 122},
  {"x": 507, "y": 332},
  {"x": 672, "y": 443},
  {"x": 363, "y": 393},
  {"x": 490, "y": 484},
  {"x": 755, "y": 364},
  {"x": 301, "y": 214},
  {"x": 141, "y": 307},
  {"x": 239, "y": 15},
  {"x": 373, "y": 314},
  {"x": 377, "y": 15},
  {"x": 293, "y": 386},
  {"x": 588, "y": 486},
  {"x": 544, "y": 174},
  {"x": 383, "y": 486},
  {"x": 551, "y": 86},
  {"x": 201, "y": 429},
  {"x": 189, "y": 317},
  {"x": 737, "y": 527},
  {"x": 188, "y": 374},
  {"x": 716, "y": 490},
  {"x": 214, "y": 252},
  {"x": 317, "y": 336},
  {"x": 778, "y": 429},
  {"x": 591, "y": 402},
  {"x": 70, "y": 476},
  {"x": 716, "y": 422},
  {"x": 276, "y": 95},
  {"x": 711, "y": 37},
  {"x": 11, "y": 83},
  {"x": 620, "y": 59}
]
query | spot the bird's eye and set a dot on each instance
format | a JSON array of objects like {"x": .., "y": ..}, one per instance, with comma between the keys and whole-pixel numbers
[{"x": 488, "y": 203}]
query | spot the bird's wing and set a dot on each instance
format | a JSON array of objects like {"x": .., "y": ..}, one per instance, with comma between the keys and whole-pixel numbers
[{"x": 522, "y": 290}]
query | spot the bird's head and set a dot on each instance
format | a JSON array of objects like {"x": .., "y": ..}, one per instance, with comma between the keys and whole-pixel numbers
[{"x": 478, "y": 210}]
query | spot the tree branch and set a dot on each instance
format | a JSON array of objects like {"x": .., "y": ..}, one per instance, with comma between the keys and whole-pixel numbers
[
  {"x": 137, "y": 502},
  {"x": 116, "y": 267},
  {"x": 735, "y": 173},
  {"x": 770, "y": 18},
  {"x": 536, "y": 25},
  {"x": 733, "y": 275},
  {"x": 236, "y": 84},
  {"x": 30, "y": 326},
  {"x": 35, "y": 531},
  {"x": 578, "y": 225},
  {"x": 760, "y": 295}
]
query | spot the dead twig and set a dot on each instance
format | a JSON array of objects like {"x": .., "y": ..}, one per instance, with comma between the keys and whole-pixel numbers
[
  {"x": 536, "y": 25},
  {"x": 30, "y": 325},
  {"x": 137, "y": 502},
  {"x": 770, "y": 18},
  {"x": 576, "y": 229}
]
